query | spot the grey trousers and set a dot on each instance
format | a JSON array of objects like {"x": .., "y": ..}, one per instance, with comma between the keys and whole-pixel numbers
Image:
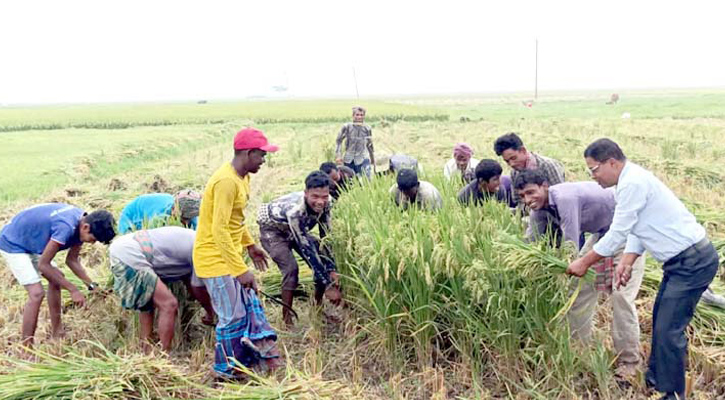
[{"x": 625, "y": 324}]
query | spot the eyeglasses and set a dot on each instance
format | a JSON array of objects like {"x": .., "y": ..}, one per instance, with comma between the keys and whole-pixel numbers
[{"x": 593, "y": 170}]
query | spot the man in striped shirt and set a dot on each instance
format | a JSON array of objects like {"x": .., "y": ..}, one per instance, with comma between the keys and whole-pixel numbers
[{"x": 514, "y": 153}]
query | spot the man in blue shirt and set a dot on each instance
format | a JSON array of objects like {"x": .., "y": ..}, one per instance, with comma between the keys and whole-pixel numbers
[
  {"x": 154, "y": 210},
  {"x": 30, "y": 241},
  {"x": 648, "y": 216}
]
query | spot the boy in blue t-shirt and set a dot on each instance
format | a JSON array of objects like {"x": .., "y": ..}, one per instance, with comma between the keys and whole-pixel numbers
[
  {"x": 153, "y": 210},
  {"x": 30, "y": 241}
]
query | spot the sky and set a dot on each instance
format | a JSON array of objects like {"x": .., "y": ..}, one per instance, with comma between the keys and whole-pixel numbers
[{"x": 103, "y": 51}]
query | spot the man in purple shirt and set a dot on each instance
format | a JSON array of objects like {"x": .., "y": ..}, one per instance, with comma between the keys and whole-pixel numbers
[
  {"x": 576, "y": 208},
  {"x": 30, "y": 241}
]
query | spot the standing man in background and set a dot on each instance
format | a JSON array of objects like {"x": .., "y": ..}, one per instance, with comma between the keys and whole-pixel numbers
[{"x": 358, "y": 138}]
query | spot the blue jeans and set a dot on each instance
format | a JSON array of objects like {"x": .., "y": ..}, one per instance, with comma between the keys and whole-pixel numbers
[
  {"x": 686, "y": 276},
  {"x": 360, "y": 169}
]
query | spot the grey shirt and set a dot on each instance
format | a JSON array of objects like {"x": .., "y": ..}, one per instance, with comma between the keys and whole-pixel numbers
[
  {"x": 358, "y": 140},
  {"x": 577, "y": 207},
  {"x": 171, "y": 251}
]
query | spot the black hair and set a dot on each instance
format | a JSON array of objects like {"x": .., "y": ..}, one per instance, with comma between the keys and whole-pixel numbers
[
  {"x": 407, "y": 179},
  {"x": 328, "y": 167},
  {"x": 101, "y": 223},
  {"x": 317, "y": 179},
  {"x": 529, "y": 176},
  {"x": 507, "y": 141},
  {"x": 487, "y": 169},
  {"x": 602, "y": 150}
]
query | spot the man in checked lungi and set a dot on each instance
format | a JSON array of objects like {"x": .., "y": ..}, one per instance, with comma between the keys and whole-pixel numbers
[
  {"x": 243, "y": 335},
  {"x": 571, "y": 209},
  {"x": 143, "y": 263}
]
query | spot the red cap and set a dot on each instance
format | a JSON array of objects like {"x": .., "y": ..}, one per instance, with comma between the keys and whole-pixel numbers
[{"x": 250, "y": 138}]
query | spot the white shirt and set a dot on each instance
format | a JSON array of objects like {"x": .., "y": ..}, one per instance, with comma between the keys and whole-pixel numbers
[
  {"x": 648, "y": 216},
  {"x": 428, "y": 196},
  {"x": 451, "y": 168}
]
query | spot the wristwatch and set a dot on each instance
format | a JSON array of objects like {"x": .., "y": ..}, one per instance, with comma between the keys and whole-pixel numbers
[{"x": 92, "y": 286}]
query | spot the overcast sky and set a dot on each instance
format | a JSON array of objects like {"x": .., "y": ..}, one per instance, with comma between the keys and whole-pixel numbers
[{"x": 101, "y": 51}]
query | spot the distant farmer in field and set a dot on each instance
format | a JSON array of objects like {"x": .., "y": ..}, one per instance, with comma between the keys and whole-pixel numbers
[
  {"x": 242, "y": 331},
  {"x": 648, "y": 216},
  {"x": 358, "y": 139},
  {"x": 409, "y": 190},
  {"x": 30, "y": 241},
  {"x": 462, "y": 166},
  {"x": 572, "y": 209},
  {"x": 512, "y": 150},
  {"x": 286, "y": 224},
  {"x": 153, "y": 210},
  {"x": 143, "y": 263},
  {"x": 488, "y": 184}
]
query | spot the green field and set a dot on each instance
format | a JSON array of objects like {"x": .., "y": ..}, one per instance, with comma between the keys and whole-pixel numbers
[{"x": 414, "y": 328}]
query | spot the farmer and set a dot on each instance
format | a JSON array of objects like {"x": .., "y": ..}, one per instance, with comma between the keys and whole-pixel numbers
[
  {"x": 153, "y": 210},
  {"x": 285, "y": 224},
  {"x": 489, "y": 183},
  {"x": 358, "y": 138},
  {"x": 572, "y": 209},
  {"x": 648, "y": 216},
  {"x": 409, "y": 190},
  {"x": 30, "y": 241},
  {"x": 220, "y": 241},
  {"x": 346, "y": 176},
  {"x": 143, "y": 263},
  {"x": 462, "y": 165},
  {"x": 333, "y": 172},
  {"x": 512, "y": 150}
]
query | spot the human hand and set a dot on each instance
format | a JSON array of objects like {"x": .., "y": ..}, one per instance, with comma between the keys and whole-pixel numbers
[
  {"x": 78, "y": 299},
  {"x": 577, "y": 268},
  {"x": 622, "y": 274},
  {"x": 333, "y": 294},
  {"x": 258, "y": 256},
  {"x": 247, "y": 280},
  {"x": 335, "y": 277}
]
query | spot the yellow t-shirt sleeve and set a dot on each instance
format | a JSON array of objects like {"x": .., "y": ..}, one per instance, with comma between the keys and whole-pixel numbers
[
  {"x": 247, "y": 239},
  {"x": 225, "y": 192}
]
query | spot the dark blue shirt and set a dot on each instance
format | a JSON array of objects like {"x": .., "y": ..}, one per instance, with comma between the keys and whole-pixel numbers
[{"x": 31, "y": 230}]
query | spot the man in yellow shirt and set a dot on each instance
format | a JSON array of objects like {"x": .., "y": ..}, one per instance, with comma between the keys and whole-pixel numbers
[{"x": 242, "y": 331}]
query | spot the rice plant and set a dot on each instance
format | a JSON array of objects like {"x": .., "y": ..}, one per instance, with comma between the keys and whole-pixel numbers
[{"x": 458, "y": 286}]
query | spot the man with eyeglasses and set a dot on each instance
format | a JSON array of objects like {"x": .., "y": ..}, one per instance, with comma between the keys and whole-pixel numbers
[
  {"x": 648, "y": 216},
  {"x": 514, "y": 153}
]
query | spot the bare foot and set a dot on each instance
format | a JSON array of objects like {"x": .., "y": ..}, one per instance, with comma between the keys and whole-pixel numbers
[{"x": 58, "y": 333}]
